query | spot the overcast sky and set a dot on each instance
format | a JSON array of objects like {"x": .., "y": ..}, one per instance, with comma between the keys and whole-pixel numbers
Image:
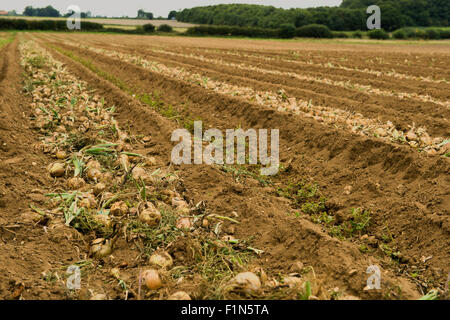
[{"x": 159, "y": 8}]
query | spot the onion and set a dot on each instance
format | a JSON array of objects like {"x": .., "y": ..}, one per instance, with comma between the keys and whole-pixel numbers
[
  {"x": 184, "y": 223},
  {"x": 161, "y": 259},
  {"x": 88, "y": 202},
  {"x": 57, "y": 169},
  {"x": 349, "y": 298},
  {"x": 119, "y": 208},
  {"x": 140, "y": 173},
  {"x": 124, "y": 161},
  {"x": 180, "y": 205},
  {"x": 150, "y": 161},
  {"x": 292, "y": 281},
  {"x": 150, "y": 215},
  {"x": 151, "y": 279},
  {"x": 106, "y": 177},
  {"x": 99, "y": 188},
  {"x": 93, "y": 174},
  {"x": 102, "y": 219},
  {"x": 98, "y": 296},
  {"x": 101, "y": 248},
  {"x": 297, "y": 267},
  {"x": 75, "y": 183},
  {"x": 94, "y": 164},
  {"x": 260, "y": 273},
  {"x": 115, "y": 272},
  {"x": 61, "y": 154},
  {"x": 411, "y": 135},
  {"x": 247, "y": 281},
  {"x": 179, "y": 295}
]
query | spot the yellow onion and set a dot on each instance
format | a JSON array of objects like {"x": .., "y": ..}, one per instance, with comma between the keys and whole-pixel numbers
[
  {"x": 247, "y": 281},
  {"x": 179, "y": 295},
  {"x": 150, "y": 215},
  {"x": 56, "y": 169},
  {"x": 161, "y": 259},
  {"x": 75, "y": 183},
  {"x": 151, "y": 279},
  {"x": 292, "y": 281},
  {"x": 94, "y": 164},
  {"x": 139, "y": 173},
  {"x": 115, "y": 272},
  {"x": 61, "y": 154},
  {"x": 88, "y": 202},
  {"x": 150, "y": 161},
  {"x": 106, "y": 177},
  {"x": 98, "y": 296},
  {"x": 93, "y": 174},
  {"x": 102, "y": 219},
  {"x": 178, "y": 202},
  {"x": 119, "y": 208},
  {"x": 99, "y": 188},
  {"x": 101, "y": 248},
  {"x": 184, "y": 223}
]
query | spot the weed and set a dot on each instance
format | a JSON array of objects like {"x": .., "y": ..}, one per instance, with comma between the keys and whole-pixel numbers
[
  {"x": 300, "y": 193},
  {"x": 156, "y": 237},
  {"x": 359, "y": 222},
  {"x": 363, "y": 248},
  {"x": 239, "y": 171},
  {"x": 391, "y": 252},
  {"x": 37, "y": 61}
]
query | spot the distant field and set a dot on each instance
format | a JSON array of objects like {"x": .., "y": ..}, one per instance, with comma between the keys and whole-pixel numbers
[{"x": 121, "y": 22}]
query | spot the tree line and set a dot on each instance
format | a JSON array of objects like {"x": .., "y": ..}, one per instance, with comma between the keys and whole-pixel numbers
[
  {"x": 51, "y": 12},
  {"x": 350, "y": 15}
]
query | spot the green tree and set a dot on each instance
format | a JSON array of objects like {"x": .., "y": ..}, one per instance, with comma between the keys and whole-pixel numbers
[
  {"x": 172, "y": 14},
  {"x": 29, "y": 11}
]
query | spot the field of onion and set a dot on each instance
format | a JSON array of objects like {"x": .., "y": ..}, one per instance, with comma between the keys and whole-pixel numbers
[{"x": 86, "y": 123}]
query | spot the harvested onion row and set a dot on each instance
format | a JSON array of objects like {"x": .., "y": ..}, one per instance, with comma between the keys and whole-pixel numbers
[{"x": 354, "y": 122}]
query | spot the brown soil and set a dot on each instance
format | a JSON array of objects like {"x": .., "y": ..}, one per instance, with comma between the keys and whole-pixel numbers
[{"x": 407, "y": 192}]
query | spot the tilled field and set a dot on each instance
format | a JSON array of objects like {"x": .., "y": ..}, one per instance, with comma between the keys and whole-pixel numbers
[{"x": 87, "y": 179}]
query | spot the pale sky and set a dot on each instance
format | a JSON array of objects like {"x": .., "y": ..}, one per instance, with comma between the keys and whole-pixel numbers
[{"x": 159, "y": 8}]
